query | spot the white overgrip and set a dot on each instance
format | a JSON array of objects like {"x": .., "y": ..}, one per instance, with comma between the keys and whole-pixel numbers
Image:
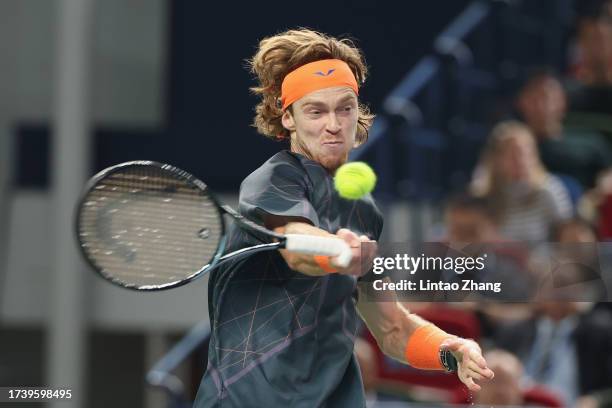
[{"x": 316, "y": 245}]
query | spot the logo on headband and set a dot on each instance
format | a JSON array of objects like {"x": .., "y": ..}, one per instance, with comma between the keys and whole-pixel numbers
[{"x": 319, "y": 73}]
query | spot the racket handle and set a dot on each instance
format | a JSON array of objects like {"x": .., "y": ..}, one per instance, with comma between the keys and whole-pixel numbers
[{"x": 316, "y": 245}]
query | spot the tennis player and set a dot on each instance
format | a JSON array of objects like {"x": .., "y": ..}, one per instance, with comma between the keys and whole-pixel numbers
[{"x": 284, "y": 324}]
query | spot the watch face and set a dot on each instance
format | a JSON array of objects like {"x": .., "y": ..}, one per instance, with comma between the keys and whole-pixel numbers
[{"x": 448, "y": 360}]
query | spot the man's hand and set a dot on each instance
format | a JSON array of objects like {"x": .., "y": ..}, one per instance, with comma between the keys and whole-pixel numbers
[
  {"x": 471, "y": 364},
  {"x": 307, "y": 265},
  {"x": 362, "y": 254}
]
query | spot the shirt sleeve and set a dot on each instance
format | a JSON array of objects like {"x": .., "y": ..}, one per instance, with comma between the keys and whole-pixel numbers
[{"x": 279, "y": 187}]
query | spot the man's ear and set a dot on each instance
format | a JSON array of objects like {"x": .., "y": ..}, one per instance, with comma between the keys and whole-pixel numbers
[{"x": 288, "y": 121}]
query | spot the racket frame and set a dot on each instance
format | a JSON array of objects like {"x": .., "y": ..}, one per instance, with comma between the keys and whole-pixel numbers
[{"x": 181, "y": 174}]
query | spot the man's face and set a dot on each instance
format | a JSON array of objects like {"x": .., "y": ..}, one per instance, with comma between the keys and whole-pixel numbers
[
  {"x": 323, "y": 125},
  {"x": 469, "y": 226},
  {"x": 543, "y": 105}
]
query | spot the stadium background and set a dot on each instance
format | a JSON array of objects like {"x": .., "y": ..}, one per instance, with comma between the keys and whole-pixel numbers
[{"x": 166, "y": 80}]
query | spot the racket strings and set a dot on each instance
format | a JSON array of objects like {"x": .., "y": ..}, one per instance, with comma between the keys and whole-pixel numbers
[{"x": 149, "y": 226}]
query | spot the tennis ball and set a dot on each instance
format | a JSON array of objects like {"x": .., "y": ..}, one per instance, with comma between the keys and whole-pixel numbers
[{"x": 354, "y": 180}]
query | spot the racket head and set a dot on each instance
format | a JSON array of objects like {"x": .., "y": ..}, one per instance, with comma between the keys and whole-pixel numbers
[{"x": 149, "y": 226}]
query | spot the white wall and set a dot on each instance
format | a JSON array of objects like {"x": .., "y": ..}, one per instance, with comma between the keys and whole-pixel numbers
[{"x": 128, "y": 60}]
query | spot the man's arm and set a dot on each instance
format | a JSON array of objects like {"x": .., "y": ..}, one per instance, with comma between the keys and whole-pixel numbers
[
  {"x": 410, "y": 339},
  {"x": 391, "y": 324}
]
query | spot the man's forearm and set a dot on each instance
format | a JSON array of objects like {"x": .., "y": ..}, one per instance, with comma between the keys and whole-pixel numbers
[
  {"x": 404, "y": 336},
  {"x": 394, "y": 329},
  {"x": 408, "y": 338}
]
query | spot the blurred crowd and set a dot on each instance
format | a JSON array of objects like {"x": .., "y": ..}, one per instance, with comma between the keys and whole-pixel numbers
[{"x": 545, "y": 175}]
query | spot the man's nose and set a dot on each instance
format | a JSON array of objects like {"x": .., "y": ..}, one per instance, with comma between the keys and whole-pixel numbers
[{"x": 333, "y": 125}]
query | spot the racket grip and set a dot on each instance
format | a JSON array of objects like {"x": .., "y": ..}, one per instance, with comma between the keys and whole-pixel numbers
[{"x": 316, "y": 245}]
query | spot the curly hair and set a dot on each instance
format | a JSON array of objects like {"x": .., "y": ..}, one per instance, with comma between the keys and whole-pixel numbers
[{"x": 280, "y": 54}]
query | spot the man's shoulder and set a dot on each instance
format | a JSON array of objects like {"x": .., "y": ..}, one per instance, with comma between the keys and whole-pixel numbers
[
  {"x": 281, "y": 175},
  {"x": 281, "y": 164}
]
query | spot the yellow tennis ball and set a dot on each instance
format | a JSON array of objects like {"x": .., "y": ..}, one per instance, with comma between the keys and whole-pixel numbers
[{"x": 354, "y": 180}]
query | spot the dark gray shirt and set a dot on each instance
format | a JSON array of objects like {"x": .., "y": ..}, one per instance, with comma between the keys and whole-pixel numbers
[{"x": 281, "y": 338}]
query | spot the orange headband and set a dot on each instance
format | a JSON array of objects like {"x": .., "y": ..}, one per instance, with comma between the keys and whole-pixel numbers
[{"x": 314, "y": 76}]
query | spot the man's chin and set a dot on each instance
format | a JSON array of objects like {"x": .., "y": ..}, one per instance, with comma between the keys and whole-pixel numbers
[{"x": 331, "y": 163}]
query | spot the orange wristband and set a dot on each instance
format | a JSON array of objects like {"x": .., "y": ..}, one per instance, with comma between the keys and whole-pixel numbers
[
  {"x": 324, "y": 263},
  {"x": 423, "y": 348}
]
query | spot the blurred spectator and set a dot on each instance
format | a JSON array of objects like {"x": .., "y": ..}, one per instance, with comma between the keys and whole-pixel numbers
[
  {"x": 506, "y": 388},
  {"x": 596, "y": 205},
  {"x": 564, "y": 347},
  {"x": 527, "y": 199},
  {"x": 578, "y": 261},
  {"x": 593, "y": 51},
  {"x": 591, "y": 98},
  {"x": 579, "y": 153},
  {"x": 470, "y": 219}
]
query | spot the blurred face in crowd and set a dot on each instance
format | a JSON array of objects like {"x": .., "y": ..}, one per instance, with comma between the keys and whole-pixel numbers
[
  {"x": 595, "y": 45},
  {"x": 323, "y": 125},
  {"x": 504, "y": 388},
  {"x": 516, "y": 157},
  {"x": 543, "y": 103},
  {"x": 468, "y": 225}
]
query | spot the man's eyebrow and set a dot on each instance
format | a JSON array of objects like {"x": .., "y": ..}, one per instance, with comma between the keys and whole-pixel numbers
[
  {"x": 315, "y": 103},
  {"x": 348, "y": 98}
]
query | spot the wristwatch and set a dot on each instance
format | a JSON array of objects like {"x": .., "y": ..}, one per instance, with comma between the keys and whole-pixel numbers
[{"x": 448, "y": 361}]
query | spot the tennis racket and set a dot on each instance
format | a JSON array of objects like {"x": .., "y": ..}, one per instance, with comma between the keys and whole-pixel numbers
[{"x": 150, "y": 226}]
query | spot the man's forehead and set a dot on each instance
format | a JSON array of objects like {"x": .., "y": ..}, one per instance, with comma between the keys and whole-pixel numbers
[{"x": 328, "y": 95}]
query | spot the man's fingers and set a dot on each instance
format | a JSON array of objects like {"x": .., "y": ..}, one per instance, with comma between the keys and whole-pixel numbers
[
  {"x": 474, "y": 374},
  {"x": 476, "y": 362},
  {"x": 472, "y": 365},
  {"x": 360, "y": 258},
  {"x": 482, "y": 363},
  {"x": 478, "y": 358},
  {"x": 469, "y": 382},
  {"x": 349, "y": 237},
  {"x": 484, "y": 372}
]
